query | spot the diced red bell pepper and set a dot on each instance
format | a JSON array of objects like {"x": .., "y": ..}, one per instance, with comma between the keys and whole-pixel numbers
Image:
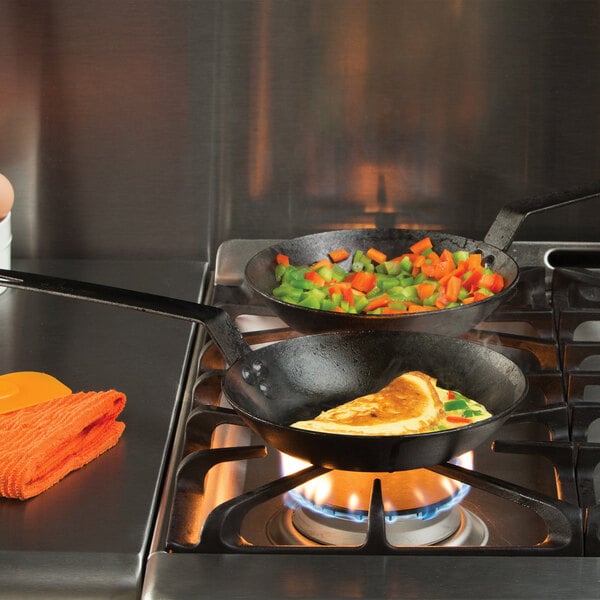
[
  {"x": 457, "y": 419},
  {"x": 364, "y": 282},
  {"x": 378, "y": 302},
  {"x": 493, "y": 282},
  {"x": 315, "y": 278},
  {"x": 348, "y": 296},
  {"x": 472, "y": 281}
]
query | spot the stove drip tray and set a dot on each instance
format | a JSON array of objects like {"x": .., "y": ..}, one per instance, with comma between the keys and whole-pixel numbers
[{"x": 302, "y": 526}]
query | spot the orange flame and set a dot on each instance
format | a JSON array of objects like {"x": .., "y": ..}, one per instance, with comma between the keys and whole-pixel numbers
[{"x": 403, "y": 491}]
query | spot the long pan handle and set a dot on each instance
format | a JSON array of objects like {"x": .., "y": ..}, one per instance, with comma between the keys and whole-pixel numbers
[
  {"x": 218, "y": 323},
  {"x": 511, "y": 216}
]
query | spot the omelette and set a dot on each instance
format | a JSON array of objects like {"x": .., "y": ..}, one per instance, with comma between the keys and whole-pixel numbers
[{"x": 411, "y": 403}]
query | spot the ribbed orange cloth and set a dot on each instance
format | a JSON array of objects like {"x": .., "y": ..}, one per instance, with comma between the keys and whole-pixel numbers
[{"x": 41, "y": 444}]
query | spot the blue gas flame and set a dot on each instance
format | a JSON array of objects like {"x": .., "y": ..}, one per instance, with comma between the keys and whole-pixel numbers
[{"x": 294, "y": 500}]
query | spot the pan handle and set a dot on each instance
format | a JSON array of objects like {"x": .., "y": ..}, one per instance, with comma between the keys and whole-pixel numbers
[
  {"x": 511, "y": 216},
  {"x": 218, "y": 323}
]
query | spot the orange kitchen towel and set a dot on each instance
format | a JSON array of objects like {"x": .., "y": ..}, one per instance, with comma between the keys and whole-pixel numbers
[{"x": 41, "y": 444}]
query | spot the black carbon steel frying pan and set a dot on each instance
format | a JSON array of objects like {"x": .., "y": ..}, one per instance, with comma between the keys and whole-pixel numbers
[
  {"x": 308, "y": 249},
  {"x": 274, "y": 386}
]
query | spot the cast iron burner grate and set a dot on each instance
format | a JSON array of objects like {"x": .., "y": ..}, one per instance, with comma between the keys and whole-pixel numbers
[
  {"x": 541, "y": 465},
  {"x": 221, "y": 530}
]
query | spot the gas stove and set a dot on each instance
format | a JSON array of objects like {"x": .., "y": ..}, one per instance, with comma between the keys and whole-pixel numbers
[{"x": 240, "y": 519}]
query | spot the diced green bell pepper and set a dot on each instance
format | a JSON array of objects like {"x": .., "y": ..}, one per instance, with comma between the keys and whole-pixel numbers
[
  {"x": 459, "y": 256},
  {"x": 455, "y": 405},
  {"x": 406, "y": 264},
  {"x": 430, "y": 300}
]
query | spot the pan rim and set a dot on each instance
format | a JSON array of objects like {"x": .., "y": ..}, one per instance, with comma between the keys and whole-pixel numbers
[{"x": 273, "y": 248}]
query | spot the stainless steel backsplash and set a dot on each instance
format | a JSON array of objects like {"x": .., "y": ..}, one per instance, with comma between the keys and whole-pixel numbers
[{"x": 159, "y": 128}]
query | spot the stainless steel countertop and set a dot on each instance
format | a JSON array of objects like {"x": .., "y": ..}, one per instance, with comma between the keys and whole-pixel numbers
[
  {"x": 87, "y": 536},
  {"x": 254, "y": 577}
]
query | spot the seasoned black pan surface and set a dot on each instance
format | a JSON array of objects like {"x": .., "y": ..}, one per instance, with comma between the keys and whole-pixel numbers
[{"x": 308, "y": 249}]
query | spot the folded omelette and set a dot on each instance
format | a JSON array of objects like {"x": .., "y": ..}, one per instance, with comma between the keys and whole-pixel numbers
[{"x": 411, "y": 403}]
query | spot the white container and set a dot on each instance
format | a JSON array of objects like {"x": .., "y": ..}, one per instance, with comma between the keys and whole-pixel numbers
[{"x": 5, "y": 244}]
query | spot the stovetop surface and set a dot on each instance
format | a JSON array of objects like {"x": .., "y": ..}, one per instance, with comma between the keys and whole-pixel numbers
[{"x": 87, "y": 536}]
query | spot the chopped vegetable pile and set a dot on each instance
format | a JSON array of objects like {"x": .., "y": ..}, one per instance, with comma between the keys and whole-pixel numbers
[{"x": 416, "y": 281}]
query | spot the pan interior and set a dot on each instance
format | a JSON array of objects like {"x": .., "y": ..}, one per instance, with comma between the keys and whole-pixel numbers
[{"x": 298, "y": 378}]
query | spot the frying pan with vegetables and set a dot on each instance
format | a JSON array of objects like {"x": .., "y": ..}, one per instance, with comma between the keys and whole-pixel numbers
[
  {"x": 296, "y": 379},
  {"x": 308, "y": 249}
]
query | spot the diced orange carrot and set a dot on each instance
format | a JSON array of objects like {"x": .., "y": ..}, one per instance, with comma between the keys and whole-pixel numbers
[
  {"x": 412, "y": 308},
  {"x": 425, "y": 289},
  {"x": 376, "y": 255},
  {"x": 339, "y": 255},
  {"x": 477, "y": 296},
  {"x": 417, "y": 264},
  {"x": 474, "y": 262},
  {"x": 422, "y": 245},
  {"x": 447, "y": 256},
  {"x": 321, "y": 263},
  {"x": 441, "y": 300},
  {"x": 437, "y": 270},
  {"x": 458, "y": 272},
  {"x": 401, "y": 257},
  {"x": 282, "y": 259},
  {"x": 453, "y": 288}
]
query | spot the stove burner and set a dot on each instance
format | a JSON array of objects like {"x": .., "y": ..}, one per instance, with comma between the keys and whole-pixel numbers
[
  {"x": 455, "y": 527},
  {"x": 433, "y": 494}
]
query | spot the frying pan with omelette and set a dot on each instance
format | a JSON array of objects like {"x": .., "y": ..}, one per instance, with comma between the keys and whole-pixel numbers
[{"x": 275, "y": 386}]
